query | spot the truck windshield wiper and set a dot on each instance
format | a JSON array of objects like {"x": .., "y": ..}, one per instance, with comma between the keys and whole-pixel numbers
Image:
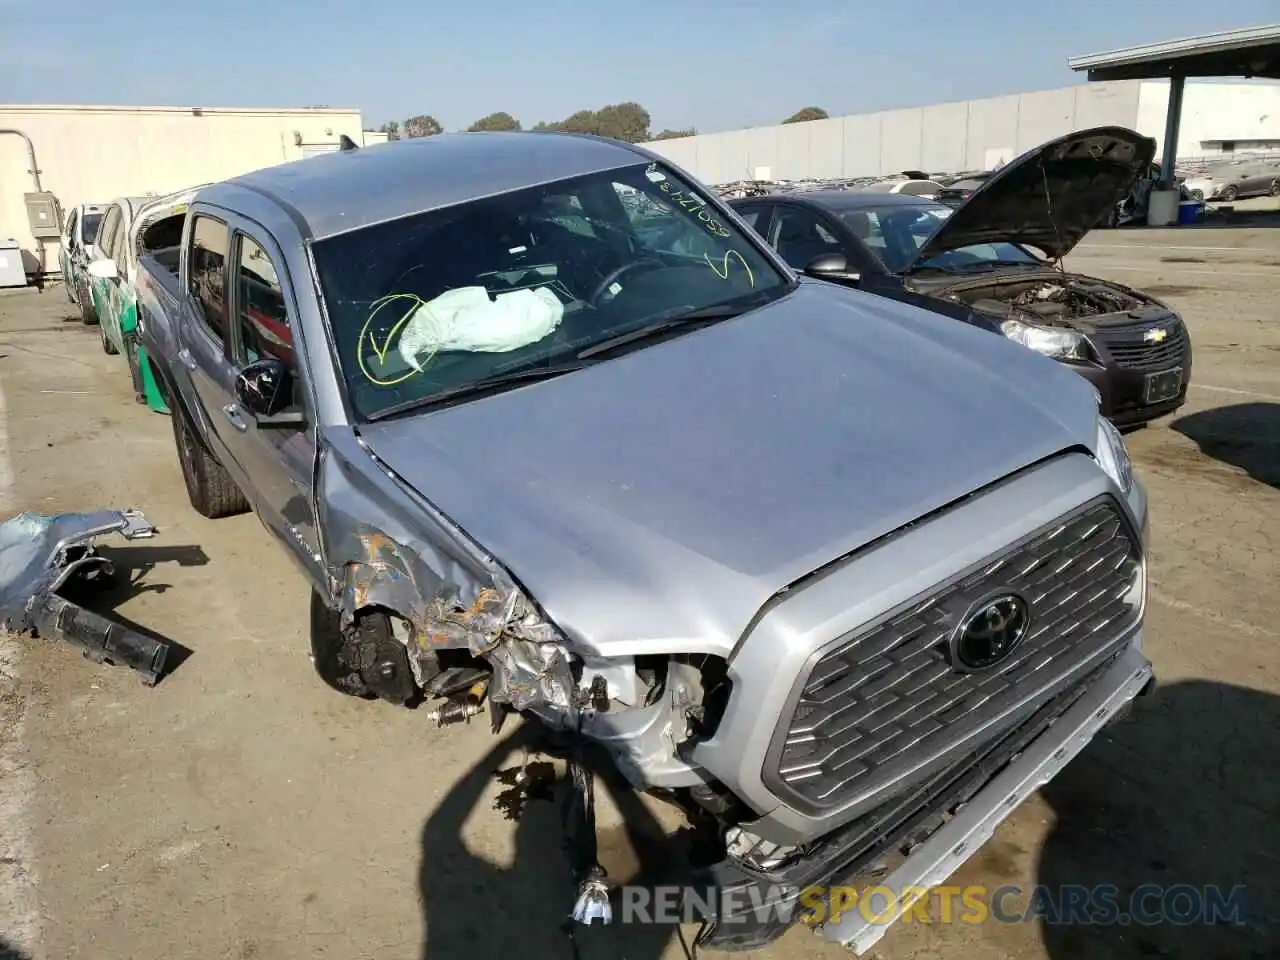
[
  {"x": 667, "y": 320},
  {"x": 484, "y": 385}
]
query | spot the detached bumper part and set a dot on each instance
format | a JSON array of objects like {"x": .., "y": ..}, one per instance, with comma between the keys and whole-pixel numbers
[
  {"x": 102, "y": 640},
  {"x": 39, "y": 554}
]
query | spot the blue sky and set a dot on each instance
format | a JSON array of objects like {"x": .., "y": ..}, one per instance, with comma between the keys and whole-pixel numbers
[{"x": 709, "y": 64}]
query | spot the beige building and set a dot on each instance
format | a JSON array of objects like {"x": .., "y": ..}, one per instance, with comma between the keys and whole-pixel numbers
[{"x": 88, "y": 154}]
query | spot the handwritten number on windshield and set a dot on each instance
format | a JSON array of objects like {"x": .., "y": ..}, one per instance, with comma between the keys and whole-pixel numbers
[{"x": 691, "y": 202}]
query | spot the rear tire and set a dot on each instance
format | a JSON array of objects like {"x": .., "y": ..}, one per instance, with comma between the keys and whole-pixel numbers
[
  {"x": 135, "y": 371},
  {"x": 1229, "y": 193},
  {"x": 210, "y": 488},
  {"x": 88, "y": 316}
]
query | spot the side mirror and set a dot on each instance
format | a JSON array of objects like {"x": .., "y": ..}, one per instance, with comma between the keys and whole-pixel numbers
[
  {"x": 265, "y": 389},
  {"x": 832, "y": 266},
  {"x": 103, "y": 269}
]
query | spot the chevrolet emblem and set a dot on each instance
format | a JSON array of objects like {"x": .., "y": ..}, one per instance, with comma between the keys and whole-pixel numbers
[{"x": 1155, "y": 336}]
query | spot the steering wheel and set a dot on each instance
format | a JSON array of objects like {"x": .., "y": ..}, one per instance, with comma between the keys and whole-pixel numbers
[{"x": 612, "y": 276}]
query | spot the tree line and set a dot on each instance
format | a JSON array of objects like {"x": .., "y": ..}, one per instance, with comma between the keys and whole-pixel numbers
[{"x": 628, "y": 122}]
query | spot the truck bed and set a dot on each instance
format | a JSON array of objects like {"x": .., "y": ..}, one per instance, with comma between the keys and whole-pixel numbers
[{"x": 159, "y": 292}]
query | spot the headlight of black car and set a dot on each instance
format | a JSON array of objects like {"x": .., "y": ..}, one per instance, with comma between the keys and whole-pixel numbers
[{"x": 1053, "y": 342}]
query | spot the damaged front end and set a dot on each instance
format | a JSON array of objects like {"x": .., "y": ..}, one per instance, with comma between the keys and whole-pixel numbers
[
  {"x": 484, "y": 643},
  {"x": 40, "y": 555}
]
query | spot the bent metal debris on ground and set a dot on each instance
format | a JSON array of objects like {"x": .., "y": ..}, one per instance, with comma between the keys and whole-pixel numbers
[{"x": 40, "y": 554}]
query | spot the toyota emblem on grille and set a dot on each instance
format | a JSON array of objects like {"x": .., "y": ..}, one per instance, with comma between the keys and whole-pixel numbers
[
  {"x": 990, "y": 632},
  {"x": 1156, "y": 335}
]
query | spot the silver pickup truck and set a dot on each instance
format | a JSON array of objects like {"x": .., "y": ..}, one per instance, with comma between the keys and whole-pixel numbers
[{"x": 550, "y": 430}]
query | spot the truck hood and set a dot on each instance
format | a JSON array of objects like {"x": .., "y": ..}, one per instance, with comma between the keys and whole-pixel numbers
[
  {"x": 1049, "y": 197},
  {"x": 654, "y": 501}
]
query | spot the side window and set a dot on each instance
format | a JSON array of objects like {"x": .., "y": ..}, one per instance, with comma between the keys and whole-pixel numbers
[
  {"x": 264, "y": 322},
  {"x": 119, "y": 241},
  {"x": 110, "y": 227},
  {"x": 208, "y": 272},
  {"x": 799, "y": 236}
]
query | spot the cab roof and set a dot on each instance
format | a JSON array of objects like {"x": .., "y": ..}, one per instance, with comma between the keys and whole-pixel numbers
[{"x": 348, "y": 189}]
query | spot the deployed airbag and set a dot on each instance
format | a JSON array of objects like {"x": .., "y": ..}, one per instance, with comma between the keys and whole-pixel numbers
[{"x": 467, "y": 319}]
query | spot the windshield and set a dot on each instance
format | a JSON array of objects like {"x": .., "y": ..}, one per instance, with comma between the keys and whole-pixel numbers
[
  {"x": 432, "y": 303},
  {"x": 89, "y": 227},
  {"x": 895, "y": 234}
]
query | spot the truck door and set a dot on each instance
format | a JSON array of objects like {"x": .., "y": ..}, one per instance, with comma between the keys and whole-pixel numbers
[
  {"x": 205, "y": 342},
  {"x": 280, "y": 456}
]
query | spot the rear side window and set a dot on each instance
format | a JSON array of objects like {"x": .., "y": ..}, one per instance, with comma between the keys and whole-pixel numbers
[
  {"x": 116, "y": 250},
  {"x": 89, "y": 227},
  {"x": 208, "y": 271},
  {"x": 110, "y": 227}
]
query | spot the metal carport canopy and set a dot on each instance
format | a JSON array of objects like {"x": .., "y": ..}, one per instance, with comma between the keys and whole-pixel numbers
[{"x": 1248, "y": 52}]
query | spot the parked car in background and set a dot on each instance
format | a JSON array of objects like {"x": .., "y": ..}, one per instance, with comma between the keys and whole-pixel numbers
[
  {"x": 637, "y": 483},
  {"x": 1238, "y": 180},
  {"x": 113, "y": 272},
  {"x": 994, "y": 262},
  {"x": 954, "y": 192},
  {"x": 74, "y": 252},
  {"x": 912, "y": 188}
]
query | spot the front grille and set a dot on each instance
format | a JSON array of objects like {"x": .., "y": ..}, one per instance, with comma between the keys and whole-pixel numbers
[
  {"x": 889, "y": 693},
  {"x": 1127, "y": 348}
]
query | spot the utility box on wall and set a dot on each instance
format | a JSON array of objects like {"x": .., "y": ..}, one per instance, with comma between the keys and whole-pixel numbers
[{"x": 44, "y": 215}]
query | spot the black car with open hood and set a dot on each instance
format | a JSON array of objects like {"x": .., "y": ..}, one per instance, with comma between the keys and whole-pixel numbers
[{"x": 993, "y": 261}]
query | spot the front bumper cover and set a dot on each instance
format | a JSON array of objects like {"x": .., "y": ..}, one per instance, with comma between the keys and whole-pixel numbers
[{"x": 977, "y": 796}]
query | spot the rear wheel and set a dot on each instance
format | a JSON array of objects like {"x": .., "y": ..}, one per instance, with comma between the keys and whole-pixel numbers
[
  {"x": 210, "y": 488},
  {"x": 88, "y": 316},
  {"x": 135, "y": 369},
  {"x": 1229, "y": 193},
  {"x": 108, "y": 347}
]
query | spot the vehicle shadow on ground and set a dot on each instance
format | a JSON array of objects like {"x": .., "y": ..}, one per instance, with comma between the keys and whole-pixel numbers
[
  {"x": 1237, "y": 218},
  {"x": 1246, "y": 435},
  {"x": 1186, "y": 791},
  {"x": 9, "y": 952},
  {"x": 473, "y": 907},
  {"x": 135, "y": 575}
]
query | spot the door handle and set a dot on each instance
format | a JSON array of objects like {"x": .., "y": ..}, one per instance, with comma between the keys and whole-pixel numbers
[
  {"x": 187, "y": 359},
  {"x": 232, "y": 413}
]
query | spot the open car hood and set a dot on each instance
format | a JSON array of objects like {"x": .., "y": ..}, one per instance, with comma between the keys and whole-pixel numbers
[{"x": 1049, "y": 197}]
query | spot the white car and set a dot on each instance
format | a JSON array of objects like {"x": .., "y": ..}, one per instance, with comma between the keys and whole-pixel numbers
[
  {"x": 914, "y": 188},
  {"x": 76, "y": 250}
]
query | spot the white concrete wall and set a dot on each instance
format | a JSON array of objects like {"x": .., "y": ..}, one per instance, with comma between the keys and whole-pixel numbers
[
  {"x": 1211, "y": 113},
  {"x": 92, "y": 154},
  {"x": 968, "y": 135}
]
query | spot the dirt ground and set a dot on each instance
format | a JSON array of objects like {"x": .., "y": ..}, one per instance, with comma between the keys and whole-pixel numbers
[{"x": 242, "y": 810}]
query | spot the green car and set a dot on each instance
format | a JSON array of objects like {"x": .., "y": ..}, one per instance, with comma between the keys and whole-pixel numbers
[{"x": 113, "y": 271}]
